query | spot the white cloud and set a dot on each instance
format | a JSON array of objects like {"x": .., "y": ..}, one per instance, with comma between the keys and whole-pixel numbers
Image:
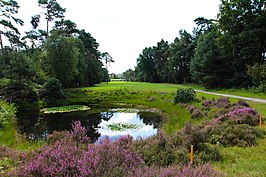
[{"x": 123, "y": 28}]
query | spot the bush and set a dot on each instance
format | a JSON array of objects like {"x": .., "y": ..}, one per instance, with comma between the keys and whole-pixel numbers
[
  {"x": 229, "y": 134},
  {"x": 7, "y": 113},
  {"x": 184, "y": 95},
  {"x": 70, "y": 157},
  {"x": 51, "y": 89}
]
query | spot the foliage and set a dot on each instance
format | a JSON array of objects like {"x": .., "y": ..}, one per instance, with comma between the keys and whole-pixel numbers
[
  {"x": 7, "y": 113},
  {"x": 241, "y": 135},
  {"x": 20, "y": 70},
  {"x": 122, "y": 126},
  {"x": 63, "y": 109},
  {"x": 62, "y": 58},
  {"x": 230, "y": 125},
  {"x": 51, "y": 90},
  {"x": 258, "y": 74},
  {"x": 67, "y": 157},
  {"x": 207, "y": 67},
  {"x": 185, "y": 95}
]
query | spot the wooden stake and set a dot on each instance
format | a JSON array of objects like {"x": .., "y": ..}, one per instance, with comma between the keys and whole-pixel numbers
[
  {"x": 260, "y": 121},
  {"x": 191, "y": 154}
]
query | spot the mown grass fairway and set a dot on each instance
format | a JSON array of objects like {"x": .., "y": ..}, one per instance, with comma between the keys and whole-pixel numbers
[{"x": 250, "y": 161}]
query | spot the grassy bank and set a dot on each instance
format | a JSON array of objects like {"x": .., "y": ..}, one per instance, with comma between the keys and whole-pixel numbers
[{"x": 248, "y": 161}]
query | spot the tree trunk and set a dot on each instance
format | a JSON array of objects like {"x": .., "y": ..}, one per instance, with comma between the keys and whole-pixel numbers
[
  {"x": 47, "y": 29},
  {"x": 2, "y": 47}
]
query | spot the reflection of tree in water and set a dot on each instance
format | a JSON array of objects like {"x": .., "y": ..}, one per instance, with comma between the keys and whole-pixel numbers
[
  {"x": 31, "y": 124},
  {"x": 106, "y": 115},
  {"x": 36, "y": 125},
  {"x": 60, "y": 122},
  {"x": 151, "y": 118}
]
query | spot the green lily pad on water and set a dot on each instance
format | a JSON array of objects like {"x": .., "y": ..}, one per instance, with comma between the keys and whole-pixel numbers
[
  {"x": 123, "y": 126},
  {"x": 64, "y": 109}
]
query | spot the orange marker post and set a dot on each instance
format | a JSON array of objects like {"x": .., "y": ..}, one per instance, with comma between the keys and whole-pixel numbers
[
  {"x": 260, "y": 121},
  {"x": 191, "y": 154}
]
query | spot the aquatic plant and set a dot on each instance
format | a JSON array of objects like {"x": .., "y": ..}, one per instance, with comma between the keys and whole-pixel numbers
[
  {"x": 63, "y": 109},
  {"x": 123, "y": 126}
]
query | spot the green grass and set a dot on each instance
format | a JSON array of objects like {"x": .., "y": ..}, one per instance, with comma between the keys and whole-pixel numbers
[
  {"x": 237, "y": 161},
  {"x": 250, "y": 161}
]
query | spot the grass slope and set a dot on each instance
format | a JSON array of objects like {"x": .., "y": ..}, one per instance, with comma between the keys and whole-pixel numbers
[{"x": 237, "y": 161}]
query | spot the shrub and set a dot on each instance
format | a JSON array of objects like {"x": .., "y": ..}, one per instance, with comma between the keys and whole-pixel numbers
[
  {"x": 229, "y": 134},
  {"x": 240, "y": 115},
  {"x": 191, "y": 108},
  {"x": 69, "y": 157},
  {"x": 197, "y": 114},
  {"x": 207, "y": 103},
  {"x": 184, "y": 95},
  {"x": 51, "y": 89},
  {"x": 7, "y": 113},
  {"x": 222, "y": 102},
  {"x": 4, "y": 83},
  {"x": 161, "y": 150}
]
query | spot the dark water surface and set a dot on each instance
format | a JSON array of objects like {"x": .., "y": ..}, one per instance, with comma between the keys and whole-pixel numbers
[{"x": 36, "y": 125}]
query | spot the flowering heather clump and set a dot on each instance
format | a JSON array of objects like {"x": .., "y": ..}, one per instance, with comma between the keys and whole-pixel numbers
[
  {"x": 66, "y": 158},
  {"x": 222, "y": 102},
  {"x": 242, "y": 103},
  {"x": 207, "y": 103},
  {"x": 197, "y": 114},
  {"x": 191, "y": 108},
  {"x": 244, "y": 115}
]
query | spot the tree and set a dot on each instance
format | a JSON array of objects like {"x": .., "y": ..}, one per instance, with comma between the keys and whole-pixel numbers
[
  {"x": 207, "y": 67},
  {"x": 128, "y": 75},
  {"x": 181, "y": 53},
  {"x": 146, "y": 66},
  {"x": 20, "y": 70},
  {"x": 8, "y": 9},
  {"x": 107, "y": 59},
  {"x": 52, "y": 11},
  {"x": 90, "y": 66},
  {"x": 62, "y": 58},
  {"x": 243, "y": 42}
]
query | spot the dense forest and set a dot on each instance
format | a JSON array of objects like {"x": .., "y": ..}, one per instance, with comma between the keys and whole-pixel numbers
[{"x": 228, "y": 51}]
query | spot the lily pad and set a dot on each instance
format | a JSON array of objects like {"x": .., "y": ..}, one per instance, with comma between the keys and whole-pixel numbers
[
  {"x": 64, "y": 109},
  {"x": 123, "y": 126}
]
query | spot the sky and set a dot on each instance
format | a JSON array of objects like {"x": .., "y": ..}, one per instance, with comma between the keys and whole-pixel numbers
[{"x": 123, "y": 28}]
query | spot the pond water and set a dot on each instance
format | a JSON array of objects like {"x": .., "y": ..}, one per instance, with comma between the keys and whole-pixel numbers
[{"x": 36, "y": 125}]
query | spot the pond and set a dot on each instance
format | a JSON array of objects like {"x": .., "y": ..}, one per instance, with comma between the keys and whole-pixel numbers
[{"x": 112, "y": 122}]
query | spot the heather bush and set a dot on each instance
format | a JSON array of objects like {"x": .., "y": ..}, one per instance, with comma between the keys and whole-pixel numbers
[
  {"x": 190, "y": 108},
  {"x": 197, "y": 114},
  {"x": 229, "y": 134},
  {"x": 65, "y": 157},
  {"x": 207, "y": 103},
  {"x": 184, "y": 95},
  {"x": 222, "y": 103},
  {"x": 161, "y": 150},
  {"x": 240, "y": 115}
]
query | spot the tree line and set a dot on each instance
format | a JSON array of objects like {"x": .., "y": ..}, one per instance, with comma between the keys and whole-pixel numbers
[
  {"x": 59, "y": 54},
  {"x": 229, "y": 51}
]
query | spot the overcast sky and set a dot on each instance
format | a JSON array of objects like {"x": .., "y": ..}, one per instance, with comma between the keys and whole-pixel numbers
[{"x": 124, "y": 28}]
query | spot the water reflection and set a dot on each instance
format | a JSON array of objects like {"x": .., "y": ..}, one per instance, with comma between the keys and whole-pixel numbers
[
  {"x": 36, "y": 125},
  {"x": 141, "y": 130}
]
